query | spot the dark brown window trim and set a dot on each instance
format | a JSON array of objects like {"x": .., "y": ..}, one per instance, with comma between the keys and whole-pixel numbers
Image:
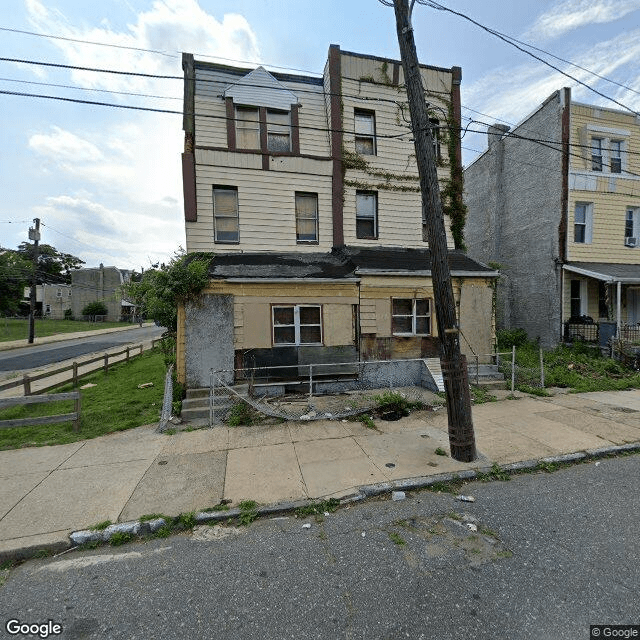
[
  {"x": 275, "y": 154},
  {"x": 295, "y": 130}
]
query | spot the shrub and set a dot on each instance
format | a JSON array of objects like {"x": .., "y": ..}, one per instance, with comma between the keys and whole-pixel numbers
[
  {"x": 97, "y": 308},
  {"x": 508, "y": 338},
  {"x": 68, "y": 314}
]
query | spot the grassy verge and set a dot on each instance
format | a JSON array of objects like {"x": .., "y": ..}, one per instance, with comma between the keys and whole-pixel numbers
[
  {"x": 15, "y": 329},
  {"x": 114, "y": 404}
]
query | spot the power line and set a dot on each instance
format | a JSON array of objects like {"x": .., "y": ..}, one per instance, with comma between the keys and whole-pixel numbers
[{"x": 509, "y": 40}]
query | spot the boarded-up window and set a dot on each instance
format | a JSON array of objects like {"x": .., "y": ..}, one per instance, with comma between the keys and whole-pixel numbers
[
  {"x": 297, "y": 324},
  {"x": 278, "y": 130},
  {"x": 365, "y": 130},
  {"x": 225, "y": 214},
  {"x": 247, "y": 128},
  {"x": 306, "y": 217},
  {"x": 366, "y": 214},
  {"x": 411, "y": 317}
]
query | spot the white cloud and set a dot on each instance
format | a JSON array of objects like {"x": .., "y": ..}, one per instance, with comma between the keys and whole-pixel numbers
[
  {"x": 572, "y": 14},
  {"x": 63, "y": 146},
  {"x": 122, "y": 173}
]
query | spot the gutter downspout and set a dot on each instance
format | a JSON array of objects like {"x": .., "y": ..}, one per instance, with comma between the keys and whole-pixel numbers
[{"x": 618, "y": 306}]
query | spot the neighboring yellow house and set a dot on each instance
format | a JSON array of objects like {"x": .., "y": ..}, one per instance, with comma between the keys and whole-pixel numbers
[
  {"x": 306, "y": 190},
  {"x": 556, "y": 202}
]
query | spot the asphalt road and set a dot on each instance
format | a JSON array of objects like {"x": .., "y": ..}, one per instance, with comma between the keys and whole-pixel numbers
[
  {"x": 553, "y": 554},
  {"x": 40, "y": 355}
]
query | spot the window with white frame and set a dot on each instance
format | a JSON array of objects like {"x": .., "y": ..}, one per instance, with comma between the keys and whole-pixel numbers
[
  {"x": 247, "y": 128},
  {"x": 365, "y": 130},
  {"x": 631, "y": 227},
  {"x": 225, "y": 215},
  {"x": 596, "y": 154},
  {"x": 411, "y": 316},
  {"x": 366, "y": 215},
  {"x": 278, "y": 130},
  {"x": 583, "y": 223},
  {"x": 297, "y": 324},
  {"x": 306, "y": 217},
  {"x": 615, "y": 157}
]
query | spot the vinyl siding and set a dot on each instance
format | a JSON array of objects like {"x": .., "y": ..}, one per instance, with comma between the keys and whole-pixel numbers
[
  {"x": 610, "y": 193},
  {"x": 266, "y": 205}
]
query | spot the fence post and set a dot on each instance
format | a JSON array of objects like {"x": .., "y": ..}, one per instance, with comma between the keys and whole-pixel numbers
[
  {"x": 127, "y": 354},
  {"x": 212, "y": 400},
  {"x": 75, "y": 374},
  {"x": 513, "y": 368},
  {"x": 76, "y": 408},
  {"x": 106, "y": 363},
  {"x": 541, "y": 369},
  {"x": 310, "y": 383},
  {"x": 27, "y": 385}
]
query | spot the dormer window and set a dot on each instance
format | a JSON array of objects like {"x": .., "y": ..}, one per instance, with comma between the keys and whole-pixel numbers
[
  {"x": 247, "y": 128},
  {"x": 278, "y": 130}
]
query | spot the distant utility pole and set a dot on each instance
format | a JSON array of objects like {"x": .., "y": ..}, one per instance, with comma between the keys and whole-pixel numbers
[
  {"x": 454, "y": 365},
  {"x": 34, "y": 234}
]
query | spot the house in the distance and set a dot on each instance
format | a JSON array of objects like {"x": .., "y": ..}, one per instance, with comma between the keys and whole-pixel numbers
[
  {"x": 52, "y": 300},
  {"x": 306, "y": 191},
  {"x": 101, "y": 284},
  {"x": 556, "y": 202}
]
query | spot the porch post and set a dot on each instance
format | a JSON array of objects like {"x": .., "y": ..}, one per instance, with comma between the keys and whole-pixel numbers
[{"x": 618, "y": 307}]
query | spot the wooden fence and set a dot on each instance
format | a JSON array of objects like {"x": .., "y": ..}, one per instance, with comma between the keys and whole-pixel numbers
[
  {"x": 73, "y": 368},
  {"x": 54, "y": 397}
]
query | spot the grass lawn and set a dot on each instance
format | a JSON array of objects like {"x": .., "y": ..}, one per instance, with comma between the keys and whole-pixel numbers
[
  {"x": 114, "y": 404},
  {"x": 18, "y": 329}
]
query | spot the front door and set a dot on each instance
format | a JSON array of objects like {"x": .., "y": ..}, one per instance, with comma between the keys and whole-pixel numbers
[{"x": 633, "y": 306}]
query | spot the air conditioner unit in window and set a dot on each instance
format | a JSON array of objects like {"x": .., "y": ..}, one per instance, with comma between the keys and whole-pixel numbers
[{"x": 631, "y": 242}]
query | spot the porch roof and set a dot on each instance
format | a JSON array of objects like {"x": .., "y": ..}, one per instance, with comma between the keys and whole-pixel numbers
[
  {"x": 346, "y": 263},
  {"x": 606, "y": 271}
]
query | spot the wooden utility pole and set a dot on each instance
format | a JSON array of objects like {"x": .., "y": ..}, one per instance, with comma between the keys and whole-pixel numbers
[
  {"x": 34, "y": 234},
  {"x": 454, "y": 366}
]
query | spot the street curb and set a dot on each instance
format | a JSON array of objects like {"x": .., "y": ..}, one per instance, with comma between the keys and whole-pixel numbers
[
  {"x": 139, "y": 529},
  {"x": 61, "y": 337}
]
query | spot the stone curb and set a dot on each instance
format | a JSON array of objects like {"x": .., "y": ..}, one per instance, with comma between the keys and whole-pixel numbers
[{"x": 137, "y": 528}]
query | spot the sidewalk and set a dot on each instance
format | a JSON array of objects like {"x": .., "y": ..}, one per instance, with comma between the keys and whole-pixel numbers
[{"x": 48, "y": 492}]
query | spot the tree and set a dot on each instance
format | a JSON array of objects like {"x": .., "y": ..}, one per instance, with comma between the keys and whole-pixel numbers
[
  {"x": 54, "y": 267},
  {"x": 15, "y": 275},
  {"x": 97, "y": 308},
  {"x": 158, "y": 292}
]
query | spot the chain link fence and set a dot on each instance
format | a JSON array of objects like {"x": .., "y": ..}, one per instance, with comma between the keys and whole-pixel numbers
[
  {"x": 519, "y": 375},
  {"x": 321, "y": 391}
]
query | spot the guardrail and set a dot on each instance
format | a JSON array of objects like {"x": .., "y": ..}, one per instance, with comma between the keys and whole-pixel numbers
[{"x": 39, "y": 399}]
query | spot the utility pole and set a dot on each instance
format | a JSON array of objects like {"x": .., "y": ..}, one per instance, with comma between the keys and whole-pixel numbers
[
  {"x": 34, "y": 234},
  {"x": 454, "y": 365}
]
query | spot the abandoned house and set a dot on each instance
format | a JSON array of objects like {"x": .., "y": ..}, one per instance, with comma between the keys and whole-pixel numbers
[
  {"x": 306, "y": 191},
  {"x": 556, "y": 203}
]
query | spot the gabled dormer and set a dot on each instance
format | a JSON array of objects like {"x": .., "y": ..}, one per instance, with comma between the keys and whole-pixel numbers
[{"x": 262, "y": 115}]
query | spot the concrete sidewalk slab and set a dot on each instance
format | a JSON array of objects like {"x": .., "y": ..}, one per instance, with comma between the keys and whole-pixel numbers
[
  {"x": 35, "y": 459},
  {"x": 176, "y": 484},
  {"x": 74, "y": 499},
  {"x": 259, "y": 473},
  {"x": 199, "y": 441}
]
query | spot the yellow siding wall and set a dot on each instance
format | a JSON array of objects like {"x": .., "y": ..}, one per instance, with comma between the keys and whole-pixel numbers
[
  {"x": 399, "y": 200},
  {"x": 266, "y": 207},
  {"x": 610, "y": 194}
]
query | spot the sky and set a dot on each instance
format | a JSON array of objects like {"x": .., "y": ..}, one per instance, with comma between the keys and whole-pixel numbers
[{"x": 106, "y": 181}]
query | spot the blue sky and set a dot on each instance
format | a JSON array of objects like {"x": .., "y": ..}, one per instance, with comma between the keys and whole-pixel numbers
[{"x": 106, "y": 182}]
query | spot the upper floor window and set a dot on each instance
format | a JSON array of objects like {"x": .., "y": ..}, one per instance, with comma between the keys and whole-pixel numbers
[
  {"x": 278, "y": 130},
  {"x": 365, "y": 130},
  {"x": 410, "y": 317},
  {"x": 435, "y": 135},
  {"x": 583, "y": 223},
  {"x": 306, "y": 217},
  {"x": 297, "y": 324},
  {"x": 366, "y": 214},
  {"x": 631, "y": 230},
  {"x": 616, "y": 156},
  {"x": 225, "y": 214},
  {"x": 596, "y": 154},
  {"x": 247, "y": 128}
]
